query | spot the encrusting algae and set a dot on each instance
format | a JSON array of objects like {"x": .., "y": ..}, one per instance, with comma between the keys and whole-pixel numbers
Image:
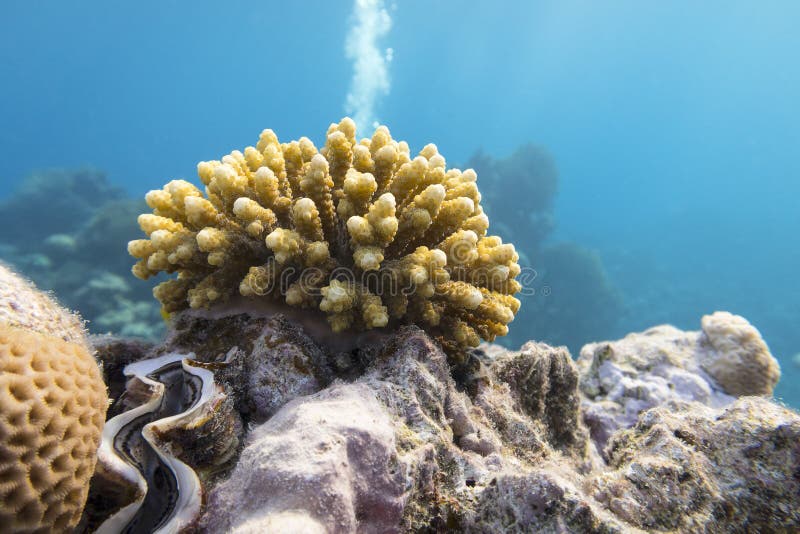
[{"x": 358, "y": 230}]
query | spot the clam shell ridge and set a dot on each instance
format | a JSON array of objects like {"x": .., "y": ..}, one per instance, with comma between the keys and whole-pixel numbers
[{"x": 181, "y": 421}]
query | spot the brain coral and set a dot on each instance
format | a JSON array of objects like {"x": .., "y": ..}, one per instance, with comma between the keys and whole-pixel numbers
[
  {"x": 359, "y": 230},
  {"x": 52, "y": 408}
]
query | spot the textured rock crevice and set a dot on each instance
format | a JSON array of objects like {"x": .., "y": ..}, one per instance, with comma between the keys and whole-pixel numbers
[{"x": 735, "y": 468}]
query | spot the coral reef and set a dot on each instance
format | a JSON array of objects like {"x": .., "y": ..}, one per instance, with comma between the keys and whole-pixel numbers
[
  {"x": 72, "y": 246},
  {"x": 52, "y": 408},
  {"x": 387, "y": 437},
  {"x": 357, "y": 230},
  {"x": 621, "y": 379},
  {"x": 738, "y": 359}
]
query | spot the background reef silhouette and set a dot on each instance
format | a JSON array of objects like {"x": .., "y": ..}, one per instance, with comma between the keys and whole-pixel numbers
[
  {"x": 70, "y": 227},
  {"x": 570, "y": 300}
]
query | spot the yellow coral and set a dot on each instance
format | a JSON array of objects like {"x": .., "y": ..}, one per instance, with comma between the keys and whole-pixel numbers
[{"x": 359, "y": 230}]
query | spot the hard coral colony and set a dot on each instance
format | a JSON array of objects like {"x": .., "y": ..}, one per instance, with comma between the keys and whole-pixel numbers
[
  {"x": 52, "y": 405},
  {"x": 358, "y": 230}
]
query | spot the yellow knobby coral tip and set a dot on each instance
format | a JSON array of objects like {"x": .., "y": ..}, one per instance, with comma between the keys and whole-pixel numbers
[
  {"x": 210, "y": 239},
  {"x": 284, "y": 243},
  {"x": 368, "y": 258},
  {"x": 337, "y": 297}
]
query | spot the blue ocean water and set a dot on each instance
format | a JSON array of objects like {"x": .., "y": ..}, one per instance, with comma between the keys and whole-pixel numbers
[{"x": 675, "y": 126}]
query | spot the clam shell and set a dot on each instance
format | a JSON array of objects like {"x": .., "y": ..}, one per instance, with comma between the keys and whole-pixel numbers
[{"x": 181, "y": 420}]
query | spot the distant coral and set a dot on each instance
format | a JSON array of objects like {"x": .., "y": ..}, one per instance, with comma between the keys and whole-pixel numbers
[
  {"x": 62, "y": 201},
  {"x": 100, "y": 235},
  {"x": 531, "y": 172},
  {"x": 358, "y": 230},
  {"x": 115, "y": 306},
  {"x": 52, "y": 407},
  {"x": 72, "y": 245},
  {"x": 574, "y": 300}
]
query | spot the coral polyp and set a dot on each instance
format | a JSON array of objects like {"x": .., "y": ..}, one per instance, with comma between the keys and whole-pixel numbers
[{"x": 358, "y": 230}]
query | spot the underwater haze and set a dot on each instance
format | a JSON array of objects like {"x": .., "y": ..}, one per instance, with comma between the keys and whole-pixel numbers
[{"x": 642, "y": 155}]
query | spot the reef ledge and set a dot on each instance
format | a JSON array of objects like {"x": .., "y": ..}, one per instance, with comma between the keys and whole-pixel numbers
[{"x": 639, "y": 434}]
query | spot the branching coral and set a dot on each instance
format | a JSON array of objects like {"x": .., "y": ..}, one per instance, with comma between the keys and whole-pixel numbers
[{"x": 359, "y": 230}]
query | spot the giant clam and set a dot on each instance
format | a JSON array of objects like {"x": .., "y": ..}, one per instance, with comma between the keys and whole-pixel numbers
[{"x": 175, "y": 427}]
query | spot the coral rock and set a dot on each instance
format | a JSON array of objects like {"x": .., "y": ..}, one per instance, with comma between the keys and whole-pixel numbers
[
  {"x": 424, "y": 450},
  {"x": 686, "y": 467},
  {"x": 544, "y": 380},
  {"x": 389, "y": 436},
  {"x": 738, "y": 359},
  {"x": 623, "y": 378},
  {"x": 360, "y": 231},
  {"x": 24, "y": 306},
  {"x": 268, "y": 360},
  {"x": 331, "y": 455},
  {"x": 547, "y": 500}
]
